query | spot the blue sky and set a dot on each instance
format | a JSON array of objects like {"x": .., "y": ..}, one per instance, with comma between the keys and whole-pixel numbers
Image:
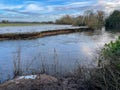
[{"x": 49, "y": 10}]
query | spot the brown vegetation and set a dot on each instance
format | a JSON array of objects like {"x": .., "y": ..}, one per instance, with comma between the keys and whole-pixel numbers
[
  {"x": 44, "y": 82},
  {"x": 33, "y": 35}
]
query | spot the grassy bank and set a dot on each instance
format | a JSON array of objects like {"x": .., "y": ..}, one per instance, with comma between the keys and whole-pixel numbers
[{"x": 33, "y": 35}]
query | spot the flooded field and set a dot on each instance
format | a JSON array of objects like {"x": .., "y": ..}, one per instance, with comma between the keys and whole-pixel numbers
[
  {"x": 36, "y": 28},
  {"x": 54, "y": 54}
]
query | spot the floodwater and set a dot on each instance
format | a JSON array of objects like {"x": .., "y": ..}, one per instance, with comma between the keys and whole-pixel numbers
[
  {"x": 34, "y": 28},
  {"x": 53, "y": 54}
]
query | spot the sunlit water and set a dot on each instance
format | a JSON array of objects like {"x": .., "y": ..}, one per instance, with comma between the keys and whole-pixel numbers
[{"x": 61, "y": 53}]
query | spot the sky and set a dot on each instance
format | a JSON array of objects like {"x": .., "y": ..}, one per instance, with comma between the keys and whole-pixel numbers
[{"x": 50, "y": 10}]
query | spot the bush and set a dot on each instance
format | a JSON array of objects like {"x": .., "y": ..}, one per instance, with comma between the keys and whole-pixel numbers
[
  {"x": 107, "y": 77},
  {"x": 111, "y": 52}
]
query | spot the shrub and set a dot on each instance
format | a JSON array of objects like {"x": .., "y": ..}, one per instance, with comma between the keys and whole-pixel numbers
[
  {"x": 111, "y": 52},
  {"x": 107, "y": 77}
]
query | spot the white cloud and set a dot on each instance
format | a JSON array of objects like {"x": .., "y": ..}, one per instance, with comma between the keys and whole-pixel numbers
[
  {"x": 80, "y": 3},
  {"x": 108, "y": 5},
  {"x": 33, "y": 7},
  {"x": 3, "y": 6}
]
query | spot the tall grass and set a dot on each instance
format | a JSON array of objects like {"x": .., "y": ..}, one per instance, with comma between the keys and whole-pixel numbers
[
  {"x": 55, "y": 61},
  {"x": 17, "y": 63},
  {"x": 43, "y": 67}
]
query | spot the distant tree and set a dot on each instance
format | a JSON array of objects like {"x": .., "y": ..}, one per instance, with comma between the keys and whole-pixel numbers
[
  {"x": 50, "y": 22},
  {"x": 101, "y": 17},
  {"x": 79, "y": 21},
  {"x": 93, "y": 20},
  {"x": 113, "y": 21},
  {"x": 65, "y": 20},
  {"x": 4, "y": 21}
]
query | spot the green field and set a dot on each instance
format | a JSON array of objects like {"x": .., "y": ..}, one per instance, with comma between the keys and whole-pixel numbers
[{"x": 19, "y": 24}]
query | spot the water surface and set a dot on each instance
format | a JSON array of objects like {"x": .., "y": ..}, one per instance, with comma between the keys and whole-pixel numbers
[
  {"x": 36, "y": 28},
  {"x": 61, "y": 53}
]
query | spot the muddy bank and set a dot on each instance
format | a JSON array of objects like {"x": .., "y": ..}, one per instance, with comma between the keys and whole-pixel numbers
[
  {"x": 43, "y": 82},
  {"x": 33, "y": 35}
]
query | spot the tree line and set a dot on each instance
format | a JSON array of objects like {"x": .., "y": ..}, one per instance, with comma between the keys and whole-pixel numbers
[
  {"x": 93, "y": 20},
  {"x": 113, "y": 21}
]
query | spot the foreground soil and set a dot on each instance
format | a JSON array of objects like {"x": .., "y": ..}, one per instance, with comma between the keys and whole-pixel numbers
[{"x": 44, "y": 82}]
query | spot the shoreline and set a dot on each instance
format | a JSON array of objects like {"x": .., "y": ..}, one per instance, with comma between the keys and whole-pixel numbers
[{"x": 43, "y": 82}]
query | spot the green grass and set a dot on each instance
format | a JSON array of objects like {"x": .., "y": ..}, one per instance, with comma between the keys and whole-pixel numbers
[{"x": 19, "y": 24}]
